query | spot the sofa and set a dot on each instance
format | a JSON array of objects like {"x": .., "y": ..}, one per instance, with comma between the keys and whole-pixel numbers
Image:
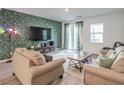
[
  {"x": 30, "y": 67},
  {"x": 94, "y": 74}
]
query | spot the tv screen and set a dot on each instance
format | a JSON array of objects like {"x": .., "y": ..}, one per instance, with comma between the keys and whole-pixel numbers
[{"x": 37, "y": 33}]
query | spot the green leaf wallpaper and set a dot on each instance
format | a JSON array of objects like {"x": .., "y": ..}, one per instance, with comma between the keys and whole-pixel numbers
[{"x": 22, "y": 22}]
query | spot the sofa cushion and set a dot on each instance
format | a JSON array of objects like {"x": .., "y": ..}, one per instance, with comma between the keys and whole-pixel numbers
[
  {"x": 118, "y": 64},
  {"x": 35, "y": 56},
  {"x": 32, "y": 53},
  {"x": 107, "y": 62}
]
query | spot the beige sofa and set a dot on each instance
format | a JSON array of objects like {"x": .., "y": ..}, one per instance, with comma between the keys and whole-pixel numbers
[
  {"x": 96, "y": 75},
  {"x": 30, "y": 69}
]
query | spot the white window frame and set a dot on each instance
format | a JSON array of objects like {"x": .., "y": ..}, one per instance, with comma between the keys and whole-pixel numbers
[{"x": 92, "y": 26}]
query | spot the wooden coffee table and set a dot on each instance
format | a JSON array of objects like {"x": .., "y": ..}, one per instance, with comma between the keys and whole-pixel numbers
[{"x": 79, "y": 59}]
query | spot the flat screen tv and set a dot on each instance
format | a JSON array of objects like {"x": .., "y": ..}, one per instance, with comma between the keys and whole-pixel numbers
[{"x": 40, "y": 34}]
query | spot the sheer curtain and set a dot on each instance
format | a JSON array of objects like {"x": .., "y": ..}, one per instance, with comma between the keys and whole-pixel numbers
[{"x": 73, "y": 36}]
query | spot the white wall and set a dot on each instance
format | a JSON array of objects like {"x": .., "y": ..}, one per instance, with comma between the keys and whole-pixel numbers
[{"x": 113, "y": 30}]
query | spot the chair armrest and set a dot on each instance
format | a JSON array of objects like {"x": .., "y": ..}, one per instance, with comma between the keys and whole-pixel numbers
[
  {"x": 105, "y": 73},
  {"x": 41, "y": 69}
]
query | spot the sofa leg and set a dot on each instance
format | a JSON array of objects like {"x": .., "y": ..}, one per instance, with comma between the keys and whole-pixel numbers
[
  {"x": 84, "y": 78},
  {"x": 13, "y": 74},
  {"x": 61, "y": 76}
]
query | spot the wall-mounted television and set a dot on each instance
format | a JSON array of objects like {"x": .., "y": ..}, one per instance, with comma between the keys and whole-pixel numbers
[{"x": 38, "y": 33}]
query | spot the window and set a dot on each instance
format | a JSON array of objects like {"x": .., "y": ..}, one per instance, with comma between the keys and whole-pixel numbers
[{"x": 96, "y": 33}]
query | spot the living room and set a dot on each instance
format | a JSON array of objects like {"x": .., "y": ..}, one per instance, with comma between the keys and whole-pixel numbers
[
  {"x": 47, "y": 45},
  {"x": 71, "y": 41}
]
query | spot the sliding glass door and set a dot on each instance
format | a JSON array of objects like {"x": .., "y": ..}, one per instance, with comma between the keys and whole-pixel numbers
[{"x": 73, "y": 36}]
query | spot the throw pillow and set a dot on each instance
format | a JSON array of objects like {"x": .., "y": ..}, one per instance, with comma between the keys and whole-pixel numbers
[
  {"x": 20, "y": 50},
  {"x": 32, "y": 53},
  {"x": 97, "y": 60},
  {"x": 103, "y": 52},
  {"x": 48, "y": 58},
  {"x": 110, "y": 53},
  {"x": 107, "y": 62},
  {"x": 36, "y": 57}
]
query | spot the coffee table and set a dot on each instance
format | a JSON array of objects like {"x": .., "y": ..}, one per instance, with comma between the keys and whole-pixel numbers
[{"x": 79, "y": 59}]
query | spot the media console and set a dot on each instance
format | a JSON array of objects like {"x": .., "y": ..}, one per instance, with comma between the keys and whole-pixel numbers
[{"x": 45, "y": 47}]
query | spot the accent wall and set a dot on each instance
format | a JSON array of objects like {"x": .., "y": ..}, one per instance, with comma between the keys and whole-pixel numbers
[{"x": 22, "y": 22}]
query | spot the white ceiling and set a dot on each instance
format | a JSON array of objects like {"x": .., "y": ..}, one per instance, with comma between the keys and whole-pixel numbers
[{"x": 59, "y": 14}]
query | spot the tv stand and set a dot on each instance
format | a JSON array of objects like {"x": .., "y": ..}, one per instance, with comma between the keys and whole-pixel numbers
[{"x": 45, "y": 47}]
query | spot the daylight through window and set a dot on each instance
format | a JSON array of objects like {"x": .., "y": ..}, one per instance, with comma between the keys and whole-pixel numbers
[{"x": 96, "y": 33}]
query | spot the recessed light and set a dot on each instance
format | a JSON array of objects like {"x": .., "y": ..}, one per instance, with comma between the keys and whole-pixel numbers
[{"x": 66, "y": 9}]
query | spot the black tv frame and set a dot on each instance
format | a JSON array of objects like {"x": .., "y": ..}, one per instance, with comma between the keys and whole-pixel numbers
[{"x": 36, "y": 34}]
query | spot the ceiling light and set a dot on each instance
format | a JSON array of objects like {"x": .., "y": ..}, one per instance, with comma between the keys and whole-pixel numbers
[{"x": 66, "y": 9}]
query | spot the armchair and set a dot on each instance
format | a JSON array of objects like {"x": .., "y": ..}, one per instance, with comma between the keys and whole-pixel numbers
[{"x": 29, "y": 73}]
